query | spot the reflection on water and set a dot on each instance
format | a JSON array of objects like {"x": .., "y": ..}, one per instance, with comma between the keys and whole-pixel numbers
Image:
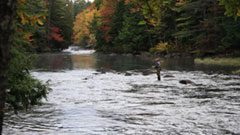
[
  {"x": 77, "y": 62},
  {"x": 65, "y": 61},
  {"x": 54, "y": 62},
  {"x": 85, "y": 101}
]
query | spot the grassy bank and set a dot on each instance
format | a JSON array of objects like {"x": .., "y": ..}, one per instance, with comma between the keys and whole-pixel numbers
[{"x": 218, "y": 61}]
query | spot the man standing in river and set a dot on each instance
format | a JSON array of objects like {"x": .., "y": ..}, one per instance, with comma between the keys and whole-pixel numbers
[{"x": 158, "y": 68}]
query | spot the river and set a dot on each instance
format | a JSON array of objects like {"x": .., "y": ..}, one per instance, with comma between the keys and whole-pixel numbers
[{"x": 97, "y": 94}]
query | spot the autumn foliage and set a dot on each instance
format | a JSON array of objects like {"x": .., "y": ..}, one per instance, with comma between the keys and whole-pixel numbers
[
  {"x": 81, "y": 25},
  {"x": 141, "y": 25},
  {"x": 107, "y": 14},
  {"x": 55, "y": 34}
]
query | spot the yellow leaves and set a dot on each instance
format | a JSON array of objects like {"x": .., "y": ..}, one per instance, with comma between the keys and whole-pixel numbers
[
  {"x": 181, "y": 2},
  {"x": 238, "y": 12},
  {"x": 26, "y": 17},
  {"x": 160, "y": 48},
  {"x": 32, "y": 19},
  {"x": 39, "y": 22},
  {"x": 80, "y": 28},
  {"x": 21, "y": 2}
]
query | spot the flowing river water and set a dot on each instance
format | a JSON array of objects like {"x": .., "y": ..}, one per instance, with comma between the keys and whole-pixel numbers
[{"x": 96, "y": 94}]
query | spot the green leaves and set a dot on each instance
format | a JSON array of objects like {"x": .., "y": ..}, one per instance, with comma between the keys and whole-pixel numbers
[
  {"x": 23, "y": 90},
  {"x": 142, "y": 23},
  {"x": 232, "y": 7}
]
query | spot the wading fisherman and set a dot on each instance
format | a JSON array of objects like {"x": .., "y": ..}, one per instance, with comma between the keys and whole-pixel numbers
[{"x": 158, "y": 68}]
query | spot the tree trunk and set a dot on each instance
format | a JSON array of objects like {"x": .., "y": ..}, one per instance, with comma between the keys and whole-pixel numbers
[
  {"x": 7, "y": 15},
  {"x": 50, "y": 5}
]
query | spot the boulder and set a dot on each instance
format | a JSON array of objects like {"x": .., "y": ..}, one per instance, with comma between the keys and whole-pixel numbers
[
  {"x": 186, "y": 82},
  {"x": 128, "y": 74}
]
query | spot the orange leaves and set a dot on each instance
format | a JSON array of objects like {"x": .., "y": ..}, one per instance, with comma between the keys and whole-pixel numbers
[
  {"x": 106, "y": 36},
  {"x": 55, "y": 34},
  {"x": 28, "y": 37},
  {"x": 105, "y": 29},
  {"x": 54, "y": 29},
  {"x": 107, "y": 14},
  {"x": 107, "y": 11},
  {"x": 31, "y": 19},
  {"x": 57, "y": 37},
  {"x": 20, "y": 13},
  {"x": 82, "y": 23},
  {"x": 26, "y": 17},
  {"x": 39, "y": 22}
]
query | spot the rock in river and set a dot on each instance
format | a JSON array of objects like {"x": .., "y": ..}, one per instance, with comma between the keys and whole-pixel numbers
[{"x": 186, "y": 82}]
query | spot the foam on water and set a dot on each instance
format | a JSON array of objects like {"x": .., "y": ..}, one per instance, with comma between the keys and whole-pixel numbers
[
  {"x": 76, "y": 50},
  {"x": 89, "y": 102},
  {"x": 94, "y": 96}
]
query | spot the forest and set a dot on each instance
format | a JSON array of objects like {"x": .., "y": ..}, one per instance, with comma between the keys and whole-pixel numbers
[{"x": 161, "y": 27}]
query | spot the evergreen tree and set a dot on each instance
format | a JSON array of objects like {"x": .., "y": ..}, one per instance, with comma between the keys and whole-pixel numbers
[
  {"x": 190, "y": 13},
  {"x": 59, "y": 24},
  {"x": 133, "y": 37},
  {"x": 229, "y": 32},
  {"x": 23, "y": 90},
  {"x": 79, "y": 6},
  {"x": 117, "y": 22},
  {"x": 93, "y": 28},
  {"x": 68, "y": 30}
]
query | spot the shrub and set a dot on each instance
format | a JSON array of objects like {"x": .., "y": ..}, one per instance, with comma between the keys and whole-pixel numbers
[
  {"x": 161, "y": 48},
  {"x": 24, "y": 91}
]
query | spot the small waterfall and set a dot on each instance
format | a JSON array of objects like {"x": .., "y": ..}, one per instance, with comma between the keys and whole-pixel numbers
[{"x": 78, "y": 50}]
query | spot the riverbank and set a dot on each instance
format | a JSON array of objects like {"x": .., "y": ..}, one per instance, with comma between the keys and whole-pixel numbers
[
  {"x": 217, "y": 59},
  {"x": 178, "y": 55}
]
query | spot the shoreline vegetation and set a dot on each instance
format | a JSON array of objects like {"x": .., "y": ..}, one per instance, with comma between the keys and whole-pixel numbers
[
  {"x": 158, "y": 28},
  {"x": 184, "y": 54},
  {"x": 219, "y": 61}
]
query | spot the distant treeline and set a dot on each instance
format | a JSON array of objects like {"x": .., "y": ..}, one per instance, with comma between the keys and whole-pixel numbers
[{"x": 160, "y": 26}]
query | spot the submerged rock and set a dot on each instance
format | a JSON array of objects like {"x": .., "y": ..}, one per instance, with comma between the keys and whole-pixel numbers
[
  {"x": 168, "y": 76},
  {"x": 186, "y": 82},
  {"x": 146, "y": 73},
  {"x": 237, "y": 73},
  {"x": 104, "y": 70},
  {"x": 128, "y": 74}
]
